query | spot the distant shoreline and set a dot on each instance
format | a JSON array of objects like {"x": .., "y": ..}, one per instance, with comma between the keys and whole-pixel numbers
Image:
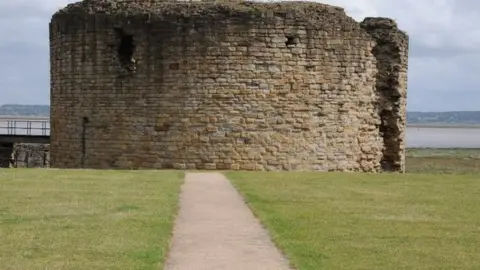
[
  {"x": 415, "y": 125},
  {"x": 26, "y": 118},
  {"x": 439, "y": 125}
]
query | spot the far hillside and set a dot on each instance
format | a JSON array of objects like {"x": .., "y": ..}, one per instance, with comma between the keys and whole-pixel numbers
[
  {"x": 24, "y": 110},
  {"x": 454, "y": 117}
]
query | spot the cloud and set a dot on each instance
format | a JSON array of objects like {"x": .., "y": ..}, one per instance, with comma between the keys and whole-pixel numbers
[
  {"x": 45, "y": 5},
  {"x": 444, "y": 48},
  {"x": 448, "y": 27},
  {"x": 26, "y": 21}
]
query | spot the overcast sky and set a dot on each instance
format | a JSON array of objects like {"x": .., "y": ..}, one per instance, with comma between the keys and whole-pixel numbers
[{"x": 444, "y": 49}]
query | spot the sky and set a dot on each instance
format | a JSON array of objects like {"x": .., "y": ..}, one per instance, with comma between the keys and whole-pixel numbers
[{"x": 443, "y": 64}]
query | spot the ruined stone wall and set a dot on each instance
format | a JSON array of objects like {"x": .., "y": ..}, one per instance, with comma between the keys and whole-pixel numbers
[
  {"x": 250, "y": 86},
  {"x": 391, "y": 52},
  {"x": 24, "y": 155},
  {"x": 30, "y": 155}
]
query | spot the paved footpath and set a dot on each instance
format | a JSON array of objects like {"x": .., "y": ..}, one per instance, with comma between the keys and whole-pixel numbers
[{"x": 216, "y": 230}]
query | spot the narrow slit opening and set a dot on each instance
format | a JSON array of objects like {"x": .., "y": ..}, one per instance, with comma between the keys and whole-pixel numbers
[{"x": 291, "y": 41}]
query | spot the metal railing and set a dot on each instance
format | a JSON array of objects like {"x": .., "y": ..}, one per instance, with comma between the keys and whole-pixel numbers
[{"x": 25, "y": 126}]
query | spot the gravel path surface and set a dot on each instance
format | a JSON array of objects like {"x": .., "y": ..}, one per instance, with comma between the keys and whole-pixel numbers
[{"x": 215, "y": 229}]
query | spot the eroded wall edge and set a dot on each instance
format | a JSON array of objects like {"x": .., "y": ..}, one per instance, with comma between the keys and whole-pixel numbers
[{"x": 391, "y": 52}]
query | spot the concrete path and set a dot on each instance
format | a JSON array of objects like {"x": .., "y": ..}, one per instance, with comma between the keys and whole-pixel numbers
[{"x": 216, "y": 230}]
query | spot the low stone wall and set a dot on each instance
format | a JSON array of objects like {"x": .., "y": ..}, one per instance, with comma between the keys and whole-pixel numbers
[{"x": 31, "y": 156}]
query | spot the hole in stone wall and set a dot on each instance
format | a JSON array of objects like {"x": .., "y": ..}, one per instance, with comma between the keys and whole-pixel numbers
[
  {"x": 125, "y": 49},
  {"x": 291, "y": 41},
  {"x": 174, "y": 66},
  {"x": 163, "y": 127}
]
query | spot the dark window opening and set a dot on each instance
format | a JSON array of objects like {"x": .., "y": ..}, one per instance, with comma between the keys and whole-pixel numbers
[
  {"x": 291, "y": 41},
  {"x": 126, "y": 49},
  {"x": 85, "y": 121},
  {"x": 174, "y": 66}
]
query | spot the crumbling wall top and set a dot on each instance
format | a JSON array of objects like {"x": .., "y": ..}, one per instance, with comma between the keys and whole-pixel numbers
[
  {"x": 385, "y": 28},
  {"x": 316, "y": 13},
  {"x": 380, "y": 22}
]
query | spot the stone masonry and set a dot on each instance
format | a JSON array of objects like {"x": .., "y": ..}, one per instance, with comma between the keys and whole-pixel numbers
[
  {"x": 226, "y": 85},
  {"x": 26, "y": 155}
]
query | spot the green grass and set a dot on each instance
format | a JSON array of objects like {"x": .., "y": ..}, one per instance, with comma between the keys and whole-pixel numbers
[
  {"x": 445, "y": 161},
  {"x": 363, "y": 221},
  {"x": 62, "y": 219},
  {"x": 76, "y": 219}
]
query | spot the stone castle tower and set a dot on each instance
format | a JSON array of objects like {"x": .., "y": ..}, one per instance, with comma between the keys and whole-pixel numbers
[{"x": 226, "y": 85}]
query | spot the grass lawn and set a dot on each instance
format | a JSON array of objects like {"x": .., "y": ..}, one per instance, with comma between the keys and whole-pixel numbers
[
  {"x": 61, "y": 219},
  {"x": 446, "y": 161},
  {"x": 363, "y": 221}
]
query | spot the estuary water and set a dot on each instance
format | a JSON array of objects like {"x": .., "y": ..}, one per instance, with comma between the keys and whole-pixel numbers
[
  {"x": 416, "y": 136},
  {"x": 443, "y": 137}
]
